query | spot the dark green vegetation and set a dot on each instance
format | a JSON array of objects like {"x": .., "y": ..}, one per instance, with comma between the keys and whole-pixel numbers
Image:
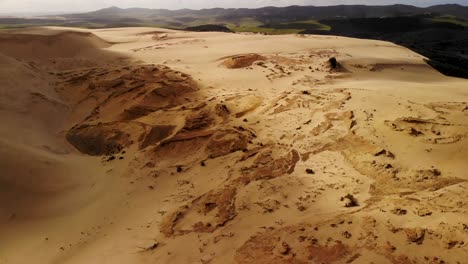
[
  {"x": 438, "y": 32},
  {"x": 207, "y": 28}
]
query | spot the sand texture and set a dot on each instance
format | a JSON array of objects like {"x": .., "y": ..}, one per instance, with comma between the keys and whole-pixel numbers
[{"x": 143, "y": 145}]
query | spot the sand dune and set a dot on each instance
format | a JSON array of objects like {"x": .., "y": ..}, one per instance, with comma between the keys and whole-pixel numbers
[
  {"x": 38, "y": 46},
  {"x": 137, "y": 145}
]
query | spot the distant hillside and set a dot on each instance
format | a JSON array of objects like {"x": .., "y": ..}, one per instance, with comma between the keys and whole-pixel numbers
[
  {"x": 186, "y": 17},
  {"x": 242, "y": 18},
  {"x": 278, "y": 13},
  {"x": 455, "y": 10}
]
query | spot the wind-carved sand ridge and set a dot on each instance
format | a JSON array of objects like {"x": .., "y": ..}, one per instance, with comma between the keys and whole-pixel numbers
[{"x": 137, "y": 145}]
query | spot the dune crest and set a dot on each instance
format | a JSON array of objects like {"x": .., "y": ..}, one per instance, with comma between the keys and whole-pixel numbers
[{"x": 62, "y": 44}]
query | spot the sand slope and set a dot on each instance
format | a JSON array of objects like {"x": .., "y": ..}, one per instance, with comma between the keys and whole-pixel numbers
[{"x": 138, "y": 145}]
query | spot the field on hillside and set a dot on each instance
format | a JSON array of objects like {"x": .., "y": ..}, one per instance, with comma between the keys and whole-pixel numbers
[{"x": 452, "y": 20}]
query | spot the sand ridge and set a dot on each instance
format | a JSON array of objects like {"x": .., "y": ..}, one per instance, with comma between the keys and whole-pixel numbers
[{"x": 183, "y": 147}]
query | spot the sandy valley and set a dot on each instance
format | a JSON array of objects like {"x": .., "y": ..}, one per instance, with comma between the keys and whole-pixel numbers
[{"x": 144, "y": 145}]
